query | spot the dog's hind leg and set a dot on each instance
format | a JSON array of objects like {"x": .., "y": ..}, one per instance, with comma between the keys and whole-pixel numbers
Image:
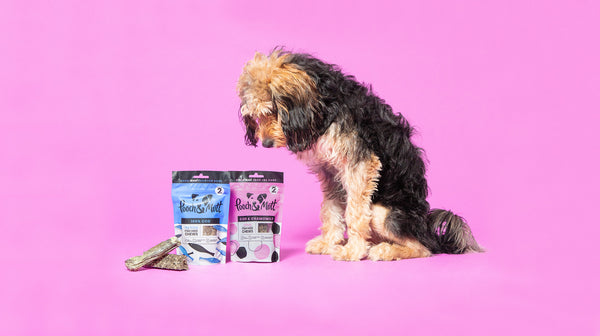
[
  {"x": 359, "y": 181},
  {"x": 332, "y": 230},
  {"x": 410, "y": 248},
  {"x": 392, "y": 247}
]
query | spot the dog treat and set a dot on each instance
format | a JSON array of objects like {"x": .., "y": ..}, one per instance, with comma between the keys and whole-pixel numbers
[
  {"x": 201, "y": 208},
  {"x": 255, "y": 216},
  {"x": 153, "y": 254},
  {"x": 170, "y": 262}
]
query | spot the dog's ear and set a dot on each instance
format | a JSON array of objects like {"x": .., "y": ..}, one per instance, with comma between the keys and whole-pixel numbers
[
  {"x": 300, "y": 126},
  {"x": 251, "y": 126},
  {"x": 295, "y": 99}
]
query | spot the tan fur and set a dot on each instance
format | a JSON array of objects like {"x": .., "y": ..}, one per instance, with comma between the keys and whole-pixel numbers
[
  {"x": 268, "y": 77},
  {"x": 359, "y": 181},
  {"x": 253, "y": 84},
  {"x": 269, "y": 127},
  {"x": 388, "y": 252},
  {"x": 332, "y": 230},
  {"x": 391, "y": 247},
  {"x": 380, "y": 234}
]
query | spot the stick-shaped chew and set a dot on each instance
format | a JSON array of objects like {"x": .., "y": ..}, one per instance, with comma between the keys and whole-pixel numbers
[
  {"x": 157, "y": 252},
  {"x": 170, "y": 262}
]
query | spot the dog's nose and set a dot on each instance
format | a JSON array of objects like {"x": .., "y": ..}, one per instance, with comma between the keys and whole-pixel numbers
[{"x": 268, "y": 143}]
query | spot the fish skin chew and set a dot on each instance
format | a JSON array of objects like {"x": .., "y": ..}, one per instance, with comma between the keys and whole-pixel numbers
[
  {"x": 172, "y": 262},
  {"x": 153, "y": 254}
]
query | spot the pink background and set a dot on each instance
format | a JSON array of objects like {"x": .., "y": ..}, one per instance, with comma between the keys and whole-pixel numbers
[{"x": 101, "y": 101}]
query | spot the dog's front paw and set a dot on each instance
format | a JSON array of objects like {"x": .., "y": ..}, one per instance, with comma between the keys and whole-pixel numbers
[
  {"x": 319, "y": 245},
  {"x": 353, "y": 251}
]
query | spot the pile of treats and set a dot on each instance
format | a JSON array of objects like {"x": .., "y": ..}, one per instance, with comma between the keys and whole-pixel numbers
[{"x": 159, "y": 257}]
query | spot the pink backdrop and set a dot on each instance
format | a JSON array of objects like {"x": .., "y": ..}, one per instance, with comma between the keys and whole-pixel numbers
[{"x": 101, "y": 101}]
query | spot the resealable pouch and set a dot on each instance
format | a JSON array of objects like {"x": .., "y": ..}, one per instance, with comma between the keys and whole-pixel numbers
[
  {"x": 255, "y": 216},
  {"x": 201, "y": 209}
]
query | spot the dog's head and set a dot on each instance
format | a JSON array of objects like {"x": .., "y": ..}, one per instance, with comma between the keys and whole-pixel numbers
[{"x": 280, "y": 103}]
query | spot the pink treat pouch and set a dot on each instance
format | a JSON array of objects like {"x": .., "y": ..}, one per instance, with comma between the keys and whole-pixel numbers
[{"x": 255, "y": 216}]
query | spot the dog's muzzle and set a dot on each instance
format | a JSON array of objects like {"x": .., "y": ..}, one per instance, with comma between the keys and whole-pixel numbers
[{"x": 268, "y": 143}]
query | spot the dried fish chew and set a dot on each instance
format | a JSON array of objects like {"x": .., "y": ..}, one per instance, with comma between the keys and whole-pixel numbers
[
  {"x": 170, "y": 262},
  {"x": 156, "y": 252}
]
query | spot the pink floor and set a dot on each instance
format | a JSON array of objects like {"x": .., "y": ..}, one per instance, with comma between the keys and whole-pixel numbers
[{"x": 101, "y": 101}]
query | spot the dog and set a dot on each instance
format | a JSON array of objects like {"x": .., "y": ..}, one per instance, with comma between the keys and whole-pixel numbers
[{"x": 372, "y": 176}]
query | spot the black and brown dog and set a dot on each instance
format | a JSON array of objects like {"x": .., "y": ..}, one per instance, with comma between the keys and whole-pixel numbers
[{"x": 372, "y": 175}]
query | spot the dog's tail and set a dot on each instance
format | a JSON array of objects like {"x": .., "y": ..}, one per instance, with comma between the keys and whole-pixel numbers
[{"x": 452, "y": 233}]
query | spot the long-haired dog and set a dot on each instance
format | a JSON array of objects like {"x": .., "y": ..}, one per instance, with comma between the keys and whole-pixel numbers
[{"x": 372, "y": 175}]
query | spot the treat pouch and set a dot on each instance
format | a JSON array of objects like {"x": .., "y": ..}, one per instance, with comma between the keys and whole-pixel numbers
[
  {"x": 255, "y": 216},
  {"x": 201, "y": 209}
]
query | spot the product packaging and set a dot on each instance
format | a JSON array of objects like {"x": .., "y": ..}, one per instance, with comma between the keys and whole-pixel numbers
[
  {"x": 255, "y": 216},
  {"x": 201, "y": 208}
]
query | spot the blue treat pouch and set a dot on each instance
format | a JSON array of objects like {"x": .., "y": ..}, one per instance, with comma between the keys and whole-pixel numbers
[{"x": 201, "y": 208}]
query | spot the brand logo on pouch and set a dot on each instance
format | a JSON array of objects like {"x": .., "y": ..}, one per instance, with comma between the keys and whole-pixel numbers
[
  {"x": 255, "y": 203},
  {"x": 200, "y": 206}
]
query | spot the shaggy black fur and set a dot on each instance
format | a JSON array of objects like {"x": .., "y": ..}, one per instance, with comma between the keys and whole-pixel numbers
[{"x": 402, "y": 185}]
